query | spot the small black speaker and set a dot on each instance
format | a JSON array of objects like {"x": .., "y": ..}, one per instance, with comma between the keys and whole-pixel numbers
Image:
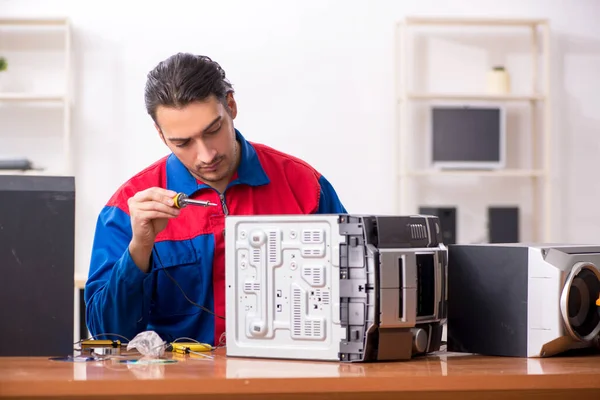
[
  {"x": 447, "y": 216},
  {"x": 503, "y": 224}
]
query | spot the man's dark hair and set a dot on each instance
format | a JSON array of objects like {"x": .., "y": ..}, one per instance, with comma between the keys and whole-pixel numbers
[{"x": 183, "y": 79}]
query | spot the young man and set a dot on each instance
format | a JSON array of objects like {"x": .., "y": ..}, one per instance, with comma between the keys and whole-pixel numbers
[{"x": 157, "y": 267}]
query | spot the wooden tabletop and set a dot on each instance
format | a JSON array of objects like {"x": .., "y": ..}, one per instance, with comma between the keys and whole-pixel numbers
[{"x": 440, "y": 376}]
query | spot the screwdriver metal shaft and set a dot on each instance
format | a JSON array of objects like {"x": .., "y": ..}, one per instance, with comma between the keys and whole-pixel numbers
[
  {"x": 181, "y": 200},
  {"x": 199, "y": 202}
]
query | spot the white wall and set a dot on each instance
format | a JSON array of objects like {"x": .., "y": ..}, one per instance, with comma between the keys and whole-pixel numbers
[{"x": 311, "y": 77}]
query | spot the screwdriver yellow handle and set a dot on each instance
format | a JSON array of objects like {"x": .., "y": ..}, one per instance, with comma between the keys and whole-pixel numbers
[
  {"x": 182, "y": 200},
  {"x": 177, "y": 199}
]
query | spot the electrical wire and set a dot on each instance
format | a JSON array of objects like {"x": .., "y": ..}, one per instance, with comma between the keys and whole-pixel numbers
[
  {"x": 102, "y": 334},
  {"x": 222, "y": 341},
  {"x": 166, "y": 345},
  {"x": 219, "y": 344},
  {"x": 162, "y": 268}
]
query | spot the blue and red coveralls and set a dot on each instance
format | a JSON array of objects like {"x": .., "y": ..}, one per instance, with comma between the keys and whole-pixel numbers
[{"x": 122, "y": 299}]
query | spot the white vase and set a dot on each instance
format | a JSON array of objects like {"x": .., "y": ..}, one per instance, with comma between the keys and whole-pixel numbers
[{"x": 498, "y": 81}]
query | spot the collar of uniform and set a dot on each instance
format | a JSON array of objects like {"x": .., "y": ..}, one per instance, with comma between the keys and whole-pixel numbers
[{"x": 249, "y": 172}]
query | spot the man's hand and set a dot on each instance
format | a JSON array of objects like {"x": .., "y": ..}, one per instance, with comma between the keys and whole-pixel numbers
[{"x": 150, "y": 210}]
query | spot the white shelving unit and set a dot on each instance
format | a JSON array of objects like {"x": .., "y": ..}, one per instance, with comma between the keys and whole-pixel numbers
[
  {"x": 538, "y": 96},
  {"x": 39, "y": 56},
  {"x": 21, "y": 38}
]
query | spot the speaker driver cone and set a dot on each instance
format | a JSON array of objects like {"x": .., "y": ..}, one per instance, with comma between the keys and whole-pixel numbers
[{"x": 580, "y": 313}]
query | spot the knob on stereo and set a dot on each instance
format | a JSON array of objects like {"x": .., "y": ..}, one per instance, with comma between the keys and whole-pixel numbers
[{"x": 420, "y": 339}]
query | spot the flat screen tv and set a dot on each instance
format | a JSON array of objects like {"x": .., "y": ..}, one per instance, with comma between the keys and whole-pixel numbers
[{"x": 467, "y": 137}]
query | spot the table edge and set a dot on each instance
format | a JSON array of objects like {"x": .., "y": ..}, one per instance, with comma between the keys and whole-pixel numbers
[{"x": 299, "y": 385}]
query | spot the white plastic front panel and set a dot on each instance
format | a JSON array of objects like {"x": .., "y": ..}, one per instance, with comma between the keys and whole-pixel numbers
[
  {"x": 543, "y": 299},
  {"x": 282, "y": 284}
]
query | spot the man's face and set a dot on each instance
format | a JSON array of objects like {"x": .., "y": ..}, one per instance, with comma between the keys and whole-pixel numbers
[{"x": 202, "y": 136}]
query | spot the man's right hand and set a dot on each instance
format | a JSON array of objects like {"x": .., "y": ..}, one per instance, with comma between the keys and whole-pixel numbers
[{"x": 149, "y": 210}]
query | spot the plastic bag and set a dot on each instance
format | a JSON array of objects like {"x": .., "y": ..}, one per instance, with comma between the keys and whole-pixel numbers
[{"x": 149, "y": 344}]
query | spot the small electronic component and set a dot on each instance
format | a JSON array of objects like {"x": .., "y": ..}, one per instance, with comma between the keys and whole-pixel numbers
[
  {"x": 87, "y": 344},
  {"x": 190, "y": 347},
  {"x": 181, "y": 200},
  {"x": 105, "y": 351}
]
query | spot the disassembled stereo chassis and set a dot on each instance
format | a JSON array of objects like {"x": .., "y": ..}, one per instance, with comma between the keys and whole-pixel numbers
[{"x": 335, "y": 287}]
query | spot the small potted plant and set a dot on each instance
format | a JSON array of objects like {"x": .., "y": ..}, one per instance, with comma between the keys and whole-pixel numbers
[{"x": 3, "y": 67}]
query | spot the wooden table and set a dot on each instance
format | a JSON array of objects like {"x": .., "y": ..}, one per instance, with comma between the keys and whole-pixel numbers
[{"x": 440, "y": 376}]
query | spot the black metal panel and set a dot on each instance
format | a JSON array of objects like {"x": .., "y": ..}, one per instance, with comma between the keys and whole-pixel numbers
[
  {"x": 487, "y": 299},
  {"x": 37, "y": 246}
]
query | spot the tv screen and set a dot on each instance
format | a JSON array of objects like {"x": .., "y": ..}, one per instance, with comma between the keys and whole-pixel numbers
[{"x": 467, "y": 137}]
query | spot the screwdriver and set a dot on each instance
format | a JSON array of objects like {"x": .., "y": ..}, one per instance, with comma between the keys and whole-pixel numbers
[{"x": 181, "y": 200}]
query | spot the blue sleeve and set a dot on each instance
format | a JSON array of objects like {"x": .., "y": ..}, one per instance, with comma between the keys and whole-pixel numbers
[
  {"x": 329, "y": 202},
  {"x": 117, "y": 293}
]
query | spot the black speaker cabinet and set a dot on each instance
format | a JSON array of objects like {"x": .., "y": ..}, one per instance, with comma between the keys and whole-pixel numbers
[
  {"x": 447, "y": 216},
  {"x": 37, "y": 246},
  {"x": 520, "y": 300},
  {"x": 503, "y": 224}
]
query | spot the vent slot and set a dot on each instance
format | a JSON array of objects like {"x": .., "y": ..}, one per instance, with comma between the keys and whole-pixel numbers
[
  {"x": 303, "y": 326},
  {"x": 256, "y": 256},
  {"x": 311, "y": 252},
  {"x": 312, "y": 236},
  {"x": 251, "y": 286},
  {"x": 274, "y": 247},
  {"x": 314, "y": 275},
  {"x": 297, "y": 311},
  {"x": 418, "y": 231}
]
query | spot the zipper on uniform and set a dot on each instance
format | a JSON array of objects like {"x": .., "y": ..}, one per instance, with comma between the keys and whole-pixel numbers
[{"x": 223, "y": 204}]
